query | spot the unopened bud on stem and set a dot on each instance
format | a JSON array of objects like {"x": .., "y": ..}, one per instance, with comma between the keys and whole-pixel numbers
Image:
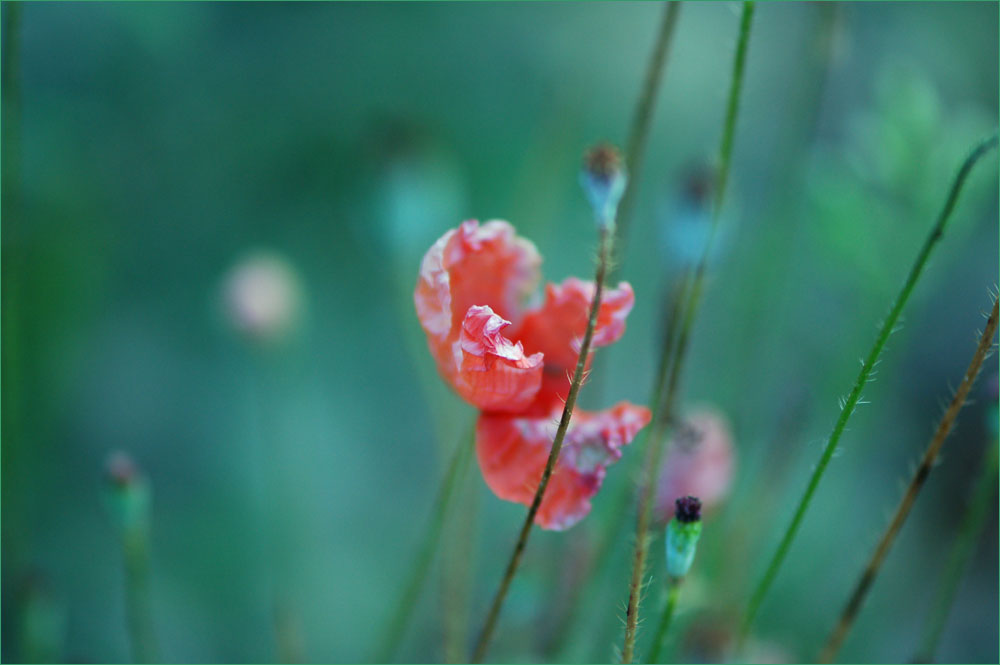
[
  {"x": 604, "y": 179},
  {"x": 683, "y": 533}
]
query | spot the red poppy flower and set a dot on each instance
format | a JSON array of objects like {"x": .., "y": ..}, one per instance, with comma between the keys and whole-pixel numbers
[{"x": 514, "y": 363}]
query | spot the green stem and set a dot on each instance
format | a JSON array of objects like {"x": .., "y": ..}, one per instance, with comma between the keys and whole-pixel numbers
[
  {"x": 457, "y": 564},
  {"x": 850, "y": 611},
  {"x": 658, "y": 431},
  {"x": 135, "y": 548},
  {"x": 665, "y": 619},
  {"x": 396, "y": 627},
  {"x": 603, "y": 260},
  {"x": 968, "y": 534},
  {"x": 863, "y": 377},
  {"x": 638, "y": 137}
]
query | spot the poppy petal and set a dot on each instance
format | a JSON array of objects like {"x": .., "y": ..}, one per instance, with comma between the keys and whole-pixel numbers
[
  {"x": 556, "y": 328},
  {"x": 512, "y": 452},
  {"x": 472, "y": 265},
  {"x": 494, "y": 373}
]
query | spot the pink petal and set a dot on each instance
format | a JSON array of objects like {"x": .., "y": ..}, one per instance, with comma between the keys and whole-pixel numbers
[
  {"x": 472, "y": 265},
  {"x": 557, "y": 327},
  {"x": 492, "y": 372},
  {"x": 513, "y": 449}
]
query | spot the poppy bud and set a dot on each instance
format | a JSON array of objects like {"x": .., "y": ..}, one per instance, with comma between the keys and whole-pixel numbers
[
  {"x": 127, "y": 493},
  {"x": 683, "y": 533},
  {"x": 603, "y": 178}
]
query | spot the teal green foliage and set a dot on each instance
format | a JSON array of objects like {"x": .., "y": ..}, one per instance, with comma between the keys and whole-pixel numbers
[{"x": 162, "y": 142}]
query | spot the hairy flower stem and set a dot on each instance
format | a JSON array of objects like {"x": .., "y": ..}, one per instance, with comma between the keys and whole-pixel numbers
[
  {"x": 968, "y": 533},
  {"x": 853, "y": 398},
  {"x": 638, "y": 136},
  {"x": 867, "y": 578},
  {"x": 673, "y": 592},
  {"x": 677, "y": 339},
  {"x": 611, "y": 533},
  {"x": 603, "y": 260},
  {"x": 396, "y": 627}
]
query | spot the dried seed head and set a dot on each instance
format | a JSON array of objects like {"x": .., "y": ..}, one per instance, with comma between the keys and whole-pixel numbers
[{"x": 688, "y": 509}]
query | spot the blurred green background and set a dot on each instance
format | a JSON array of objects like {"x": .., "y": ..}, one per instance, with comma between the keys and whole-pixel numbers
[{"x": 150, "y": 147}]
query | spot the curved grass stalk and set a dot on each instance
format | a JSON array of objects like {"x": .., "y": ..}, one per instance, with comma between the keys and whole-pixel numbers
[
  {"x": 681, "y": 335},
  {"x": 854, "y": 397},
  {"x": 850, "y": 611},
  {"x": 665, "y": 620},
  {"x": 396, "y": 627},
  {"x": 603, "y": 260},
  {"x": 968, "y": 532}
]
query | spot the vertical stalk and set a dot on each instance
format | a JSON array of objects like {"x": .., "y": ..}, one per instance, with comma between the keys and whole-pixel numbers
[
  {"x": 638, "y": 136},
  {"x": 854, "y": 397},
  {"x": 685, "y": 319},
  {"x": 135, "y": 548},
  {"x": 604, "y": 255},
  {"x": 457, "y": 567},
  {"x": 968, "y": 532},
  {"x": 395, "y": 629},
  {"x": 673, "y": 592},
  {"x": 15, "y": 454},
  {"x": 287, "y": 639},
  {"x": 867, "y": 578}
]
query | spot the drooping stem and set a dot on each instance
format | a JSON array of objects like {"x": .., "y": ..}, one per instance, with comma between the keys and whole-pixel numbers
[
  {"x": 968, "y": 533},
  {"x": 638, "y": 136},
  {"x": 678, "y": 340},
  {"x": 396, "y": 627},
  {"x": 850, "y": 611},
  {"x": 673, "y": 592},
  {"x": 854, "y": 397},
  {"x": 603, "y": 260}
]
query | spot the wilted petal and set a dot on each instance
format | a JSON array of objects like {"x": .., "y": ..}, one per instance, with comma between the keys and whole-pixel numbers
[
  {"x": 512, "y": 452},
  {"x": 700, "y": 462},
  {"x": 493, "y": 372},
  {"x": 557, "y": 327},
  {"x": 487, "y": 265}
]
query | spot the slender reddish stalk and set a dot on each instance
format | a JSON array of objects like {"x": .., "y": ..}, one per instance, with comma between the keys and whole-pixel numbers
[
  {"x": 678, "y": 339},
  {"x": 607, "y": 241},
  {"x": 850, "y": 611},
  {"x": 937, "y": 231}
]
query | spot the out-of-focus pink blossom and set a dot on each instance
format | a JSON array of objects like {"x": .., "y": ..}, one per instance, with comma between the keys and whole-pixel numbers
[{"x": 700, "y": 461}]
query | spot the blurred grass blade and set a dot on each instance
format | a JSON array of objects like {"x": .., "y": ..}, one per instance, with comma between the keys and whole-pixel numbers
[
  {"x": 638, "y": 136},
  {"x": 396, "y": 628},
  {"x": 850, "y": 611},
  {"x": 968, "y": 533},
  {"x": 864, "y": 375}
]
